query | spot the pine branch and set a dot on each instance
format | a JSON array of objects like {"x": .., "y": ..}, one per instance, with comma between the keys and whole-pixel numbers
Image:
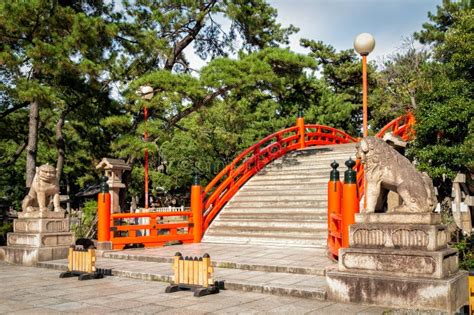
[
  {"x": 16, "y": 155},
  {"x": 183, "y": 43},
  {"x": 198, "y": 104},
  {"x": 12, "y": 109}
]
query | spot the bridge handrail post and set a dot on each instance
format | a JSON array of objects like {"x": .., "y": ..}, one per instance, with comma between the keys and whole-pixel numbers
[
  {"x": 300, "y": 125},
  {"x": 103, "y": 215},
  {"x": 196, "y": 209},
  {"x": 334, "y": 211},
  {"x": 350, "y": 201}
]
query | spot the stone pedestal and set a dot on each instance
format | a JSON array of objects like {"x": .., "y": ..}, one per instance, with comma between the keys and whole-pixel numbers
[
  {"x": 38, "y": 236},
  {"x": 406, "y": 264}
]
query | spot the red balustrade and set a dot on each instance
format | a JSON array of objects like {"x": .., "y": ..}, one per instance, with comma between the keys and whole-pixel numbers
[
  {"x": 224, "y": 186},
  {"x": 126, "y": 229},
  {"x": 401, "y": 127}
]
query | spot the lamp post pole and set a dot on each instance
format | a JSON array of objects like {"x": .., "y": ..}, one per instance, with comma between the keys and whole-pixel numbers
[
  {"x": 364, "y": 95},
  {"x": 146, "y": 93},
  {"x": 364, "y": 44},
  {"x": 145, "y": 138}
]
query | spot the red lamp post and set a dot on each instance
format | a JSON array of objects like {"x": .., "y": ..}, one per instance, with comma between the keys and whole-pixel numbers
[{"x": 146, "y": 93}]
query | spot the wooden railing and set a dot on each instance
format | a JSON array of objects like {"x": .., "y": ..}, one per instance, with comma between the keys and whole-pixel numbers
[
  {"x": 224, "y": 186},
  {"x": 126, "y": 228},
  {"x": 401, "y": 127}
]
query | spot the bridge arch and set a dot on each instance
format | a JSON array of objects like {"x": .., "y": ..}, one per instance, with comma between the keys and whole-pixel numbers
[{"x": 248, "y": 163}]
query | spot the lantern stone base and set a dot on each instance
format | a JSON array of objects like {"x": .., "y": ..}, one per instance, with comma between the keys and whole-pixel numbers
[
  {"x": 38, "y": 236},
  {"x": 446, "y": 295}
]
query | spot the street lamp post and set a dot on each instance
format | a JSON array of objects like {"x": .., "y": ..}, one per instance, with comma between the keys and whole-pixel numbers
[
  {"x": 146, "y": 93},
  {"x": 364, "y": 44}
]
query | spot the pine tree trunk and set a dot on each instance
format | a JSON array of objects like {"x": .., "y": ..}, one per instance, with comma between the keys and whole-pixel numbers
[
  {"x": 32, "y": 147},
  {"x": 60, "y": 145}
]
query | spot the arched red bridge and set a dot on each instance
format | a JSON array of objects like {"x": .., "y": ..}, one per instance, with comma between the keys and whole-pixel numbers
[
  {"x": 207, "y": 203},
  {"x": 224, "y": 186}
]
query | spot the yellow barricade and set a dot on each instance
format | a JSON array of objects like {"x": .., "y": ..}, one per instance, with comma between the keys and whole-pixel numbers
[{"x": 193, "y": 274}]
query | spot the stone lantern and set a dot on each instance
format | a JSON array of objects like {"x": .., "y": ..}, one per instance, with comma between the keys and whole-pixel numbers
[{"x": 114, "y": 169}]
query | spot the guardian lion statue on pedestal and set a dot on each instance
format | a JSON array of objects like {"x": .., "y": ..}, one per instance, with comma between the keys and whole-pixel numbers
[
  {"x": 45, "y": 184},
  {"x": 386, "y": 169}
]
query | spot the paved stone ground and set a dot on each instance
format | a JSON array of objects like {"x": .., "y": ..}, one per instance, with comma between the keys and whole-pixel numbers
[
  {"x": 293, "y": 271},
  {"x": 28, "y": 290},
  {"x": 312, "y": 260}
]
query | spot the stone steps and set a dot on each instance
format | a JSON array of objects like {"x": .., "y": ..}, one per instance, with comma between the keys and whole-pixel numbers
[
  {"x": 277, "y": 210},
  {"x": 287, "y": 181},
  {"x": 272, "y": 216},
  {"x": 268, "y": 230},
  {"x": 321, "y": 177},
  {"x": 285, "y": 204},
  {"x": 268, "y": 196},
  {"x": 275, "y": 223},
  {"x": 279, "y": 203},
  {"x": 319, "y": 189},
  {"x": 274, "y": 240}
]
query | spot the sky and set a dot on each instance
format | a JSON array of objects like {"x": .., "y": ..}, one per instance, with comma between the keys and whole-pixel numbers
[{"x": 338, "y": 22}]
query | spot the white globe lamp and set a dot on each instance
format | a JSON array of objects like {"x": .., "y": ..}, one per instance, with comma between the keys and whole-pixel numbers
[{"x": 364, "y": 44}]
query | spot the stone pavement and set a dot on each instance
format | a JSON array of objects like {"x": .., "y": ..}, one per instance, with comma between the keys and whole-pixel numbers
[
  {"x": 302, "y": 260},
  {"x": 30, "y": 290},
  {"x": 293, "y": 271}
]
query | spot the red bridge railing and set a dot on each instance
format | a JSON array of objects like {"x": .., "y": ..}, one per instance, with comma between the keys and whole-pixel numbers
[
  {"x": 150, "y": 229},
  {"x": 224, "y": 186}
]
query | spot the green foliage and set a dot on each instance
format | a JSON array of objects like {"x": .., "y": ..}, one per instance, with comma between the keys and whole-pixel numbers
[
  {"x": 398, "y": 85},
  {"x": 5, "y": 228},
  {"x": 342, "y": 72},
  {"x": 445, "y": 126},
  {"x": 465, "y": 246},
  {"x": 55, "y": 54},
  {"x": 87, "y": 226},
  {"x": 73, "y": 57}
]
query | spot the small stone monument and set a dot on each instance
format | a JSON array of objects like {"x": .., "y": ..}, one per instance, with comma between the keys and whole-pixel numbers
[
  {"x": 39, "y": 234},
  {"x": 399, "y": 258},
  {"x": 114, "y": 169}
]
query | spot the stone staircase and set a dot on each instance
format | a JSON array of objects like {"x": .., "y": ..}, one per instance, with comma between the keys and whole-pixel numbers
[{"x": 285, "y": 204}]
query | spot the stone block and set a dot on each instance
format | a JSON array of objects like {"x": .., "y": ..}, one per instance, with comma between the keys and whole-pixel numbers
[
  {"x": 40, "y": 239},
  {"x": 104, "y": 246},
  {"x": 400, "y": 236},
  {"x": 393, "y": 200},
  {"x": 42, "y": 215},
  {"x": 405, "y": 263},
  {"x": 399, "y": 218},
  {"x": 29, "y": 256},
  {"x": 446, "y": 295},
  {"x": 38, "y": 225}
]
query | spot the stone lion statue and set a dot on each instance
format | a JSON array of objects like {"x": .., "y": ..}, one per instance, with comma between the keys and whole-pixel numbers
[
  {"x": 45, "y": 184},
  {"x": 386, "y": 169}
]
